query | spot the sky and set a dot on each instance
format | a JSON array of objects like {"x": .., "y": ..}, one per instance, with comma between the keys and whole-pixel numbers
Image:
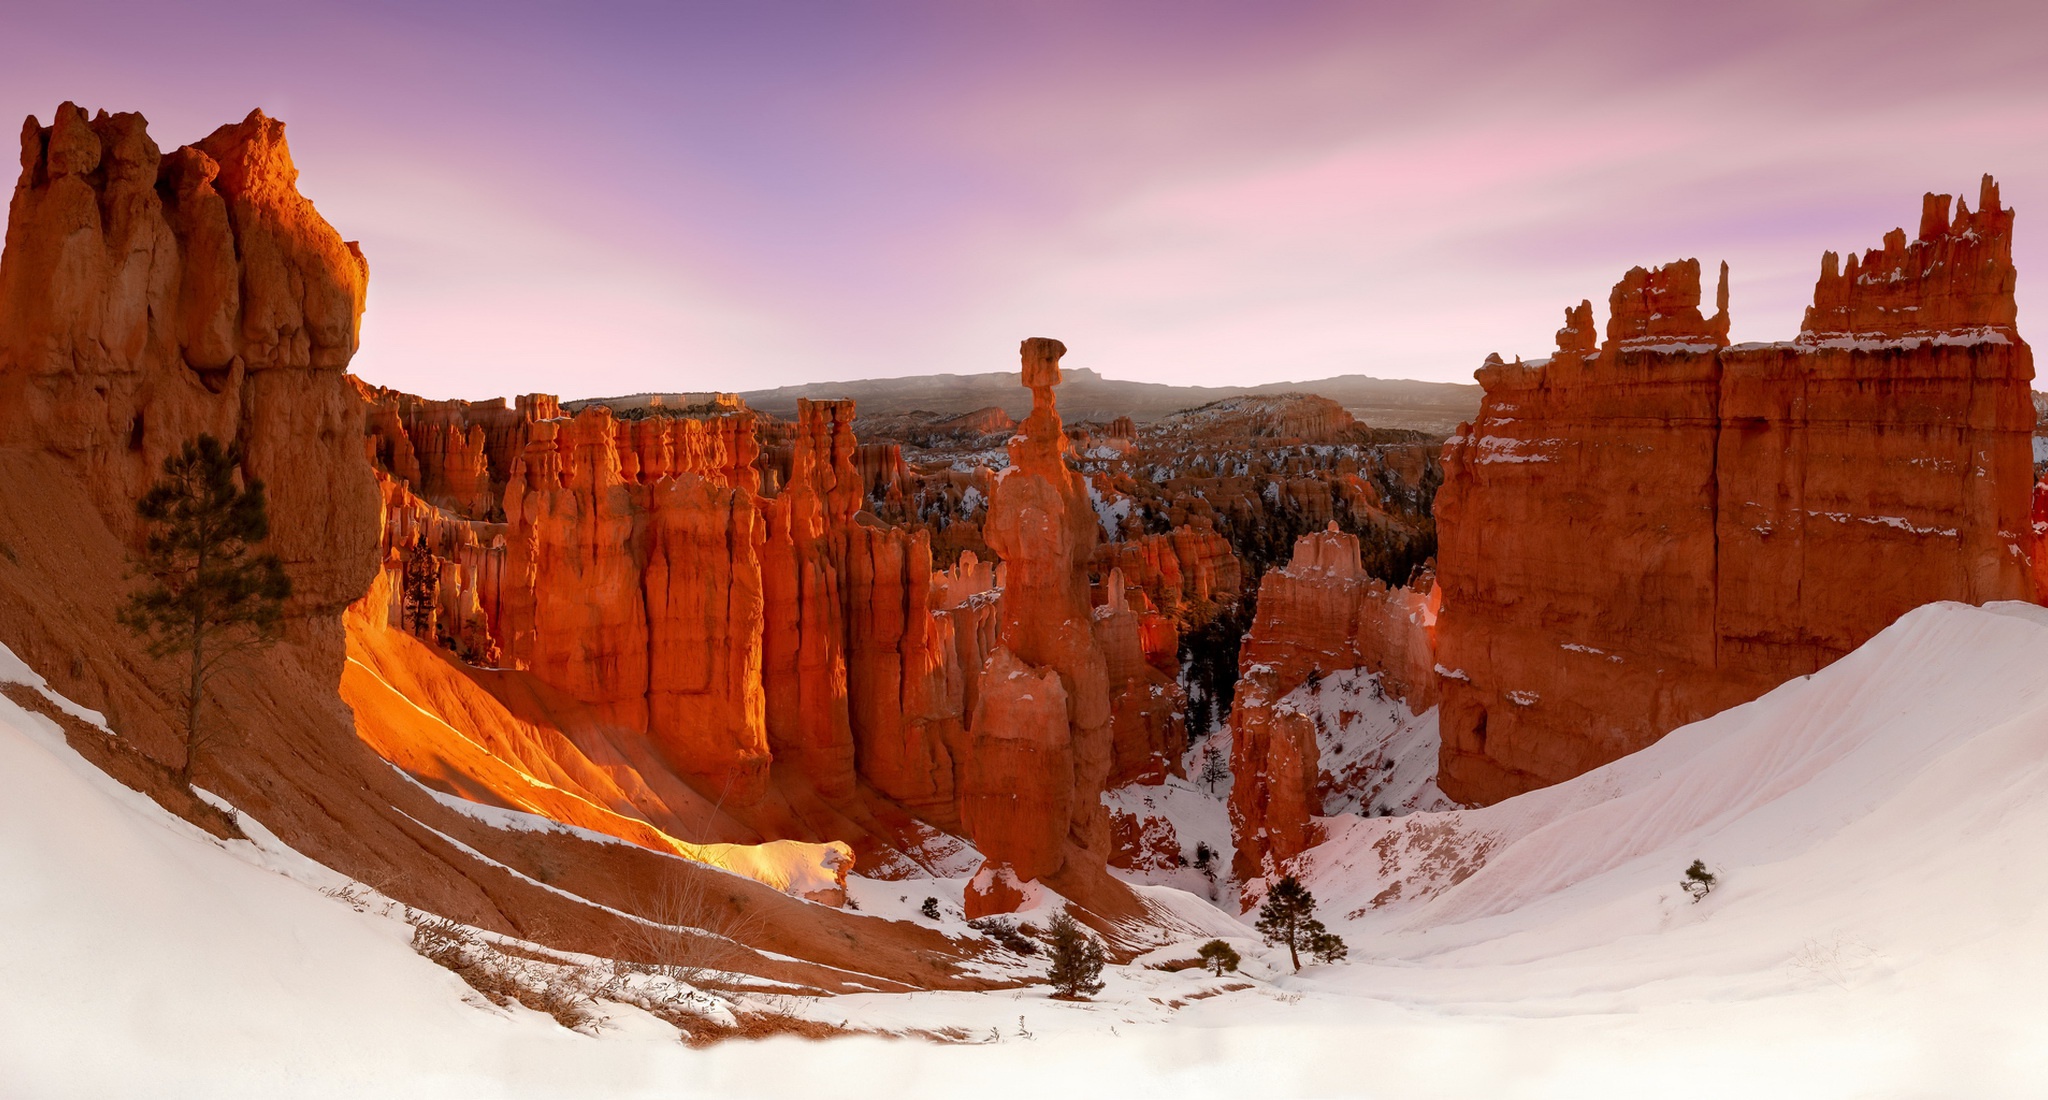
[{"x": 602, "y": 198}]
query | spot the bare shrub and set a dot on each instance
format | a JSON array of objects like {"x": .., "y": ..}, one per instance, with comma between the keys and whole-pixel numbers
[
  {"x": 1835, "y": 959},
  {"x": 691, "y": 929},
  {"x": 1006, "y": 933},
  {"x": 562, "y": 992},
  {"x": 354, "y": 895}
]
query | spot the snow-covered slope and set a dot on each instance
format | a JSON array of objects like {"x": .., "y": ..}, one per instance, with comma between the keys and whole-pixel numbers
[
  {"x": 1884, "y": 775},
  {"x": 1374, "y": 756},
  {"x": 1881, "y": 929}
]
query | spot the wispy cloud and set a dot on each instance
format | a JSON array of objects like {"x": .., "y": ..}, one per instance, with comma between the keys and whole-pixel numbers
[{"x": 730, "y": 196}]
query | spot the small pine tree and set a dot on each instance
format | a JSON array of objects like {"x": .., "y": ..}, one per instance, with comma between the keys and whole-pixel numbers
[
  {"x": 421, "y": 589},
  {"x": 1698, "y": 881},
  {"x": 930, "y": 909},
  {"x": 1214, "y": 770},
  {"x": 213, "y": 596},
  {"x": 1076, "y": 959},
  {"x": 1287, "y": 918},
  {"x": 1201, "y": 715},
  {"x": 1218, "y": 957}
]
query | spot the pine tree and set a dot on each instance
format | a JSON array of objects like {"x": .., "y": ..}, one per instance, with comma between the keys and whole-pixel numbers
[
  {"x": 1287, "y": 917},
  {"x": 1201, "y": 714},
  {"x": 1698, "y": 881},
  {"x": 1076, "y": 959},
  {"x": 422, "y": 589},
  {"x": 213, "y": 596},
  {"x": 1214, "y": 770},
  {"x": 1218, "y": 957},
  {"x": 1327, "y": 947}
]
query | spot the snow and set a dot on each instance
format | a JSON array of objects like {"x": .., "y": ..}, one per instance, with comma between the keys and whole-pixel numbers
[
  {"x": 1850, "y": 342},
  {"x": 1875, "y": 816},
  {"x": 1878, "y": 930},
  {"x": 1195, "y": 817},
  {"x": 1111, "y": 509},
  {"x": 1374, "y": 756},
  {"x": 1899, "y": 522},
  {"x": 1507, "y": 448},
  {"x": 1673, "y": 347}
]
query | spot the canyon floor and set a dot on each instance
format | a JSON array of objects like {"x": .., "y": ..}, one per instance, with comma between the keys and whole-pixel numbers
[{"x": 1878, "y": 929}]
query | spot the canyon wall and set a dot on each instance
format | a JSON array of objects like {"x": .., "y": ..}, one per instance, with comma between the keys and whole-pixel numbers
[
  {"x": 733, "y": 637},
  {"x": 1642, "y": 531},
  {"x": 1322, "y": 613},
  {"x": 633, "y": 567},
  {"x": 147, "y": 297}
]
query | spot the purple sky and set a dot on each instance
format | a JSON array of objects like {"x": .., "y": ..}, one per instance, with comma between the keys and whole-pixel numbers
[{"x": 610, "y": 197}]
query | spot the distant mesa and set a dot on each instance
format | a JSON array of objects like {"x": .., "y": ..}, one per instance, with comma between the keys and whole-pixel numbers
[{"x": 1085, "y": 395}]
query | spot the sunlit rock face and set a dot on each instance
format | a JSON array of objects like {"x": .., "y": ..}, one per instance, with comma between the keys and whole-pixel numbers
[
  {"x": 146, "y": 298},
  {"x": 1640, "y": 533},
  {"x": 715, "y": 632},
  {"x": 634, "y": 567},
  {"x": 1042, "y": 719}
]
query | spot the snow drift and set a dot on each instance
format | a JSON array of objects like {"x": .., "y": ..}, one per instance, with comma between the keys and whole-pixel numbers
[{"x": 1879, "y": 930}]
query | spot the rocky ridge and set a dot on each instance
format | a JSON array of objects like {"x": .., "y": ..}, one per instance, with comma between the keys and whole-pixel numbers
[
  {"x": 146, "y": 297},
  {"x": 1643, "y": 531}
]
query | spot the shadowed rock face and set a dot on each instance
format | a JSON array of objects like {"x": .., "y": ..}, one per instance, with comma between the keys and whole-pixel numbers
[
  {"x": 1321, "y": 614},
  {"x": 1641, "y": 534}
]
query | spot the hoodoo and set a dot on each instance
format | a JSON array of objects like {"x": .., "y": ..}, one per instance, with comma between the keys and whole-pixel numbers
[
  {"x": 721, "y": 641},
  {"x": 1321, "y": 614},
  {"x": 1041, "y": 725},
  {"x": 1639, "y": 534},
  {"x": 146, "y": 298}
]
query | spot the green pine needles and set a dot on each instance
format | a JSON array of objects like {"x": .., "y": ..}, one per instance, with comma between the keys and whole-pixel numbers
[
  {"x": 1218, "y": 957},
  {"x": 1076, "y": 959},
  {"x": 1698, "y": 881},
  {"x": 1288, "y": 918},
  {"x": 212, "y": 595}
]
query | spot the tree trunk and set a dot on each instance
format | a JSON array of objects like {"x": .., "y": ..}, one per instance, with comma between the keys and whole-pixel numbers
[
  {"x": 193, "y": 695},
  {"x": 197, "y": 683}
]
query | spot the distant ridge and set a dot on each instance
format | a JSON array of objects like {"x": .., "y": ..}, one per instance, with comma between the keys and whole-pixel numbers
[{"x": 1436, "y": 407}]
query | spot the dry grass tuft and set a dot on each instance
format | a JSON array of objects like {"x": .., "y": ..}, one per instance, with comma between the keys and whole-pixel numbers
[{"x": 692, "y": 930}]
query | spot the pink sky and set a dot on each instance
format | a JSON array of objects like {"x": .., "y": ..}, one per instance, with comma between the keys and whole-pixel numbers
[{"x": 606, "y": 198}]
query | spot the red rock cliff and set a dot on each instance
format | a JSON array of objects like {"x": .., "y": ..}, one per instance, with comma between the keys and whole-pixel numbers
[
  {"x": 1637, "y": 535},
  {"x": 147, "y": 298},
  {"x": 1321, "y": 614}
]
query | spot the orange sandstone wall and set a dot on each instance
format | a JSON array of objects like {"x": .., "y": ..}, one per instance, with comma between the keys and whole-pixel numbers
[
  {"x": 701, "y": 609},
  {"x": 1638, "y": 534}
]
